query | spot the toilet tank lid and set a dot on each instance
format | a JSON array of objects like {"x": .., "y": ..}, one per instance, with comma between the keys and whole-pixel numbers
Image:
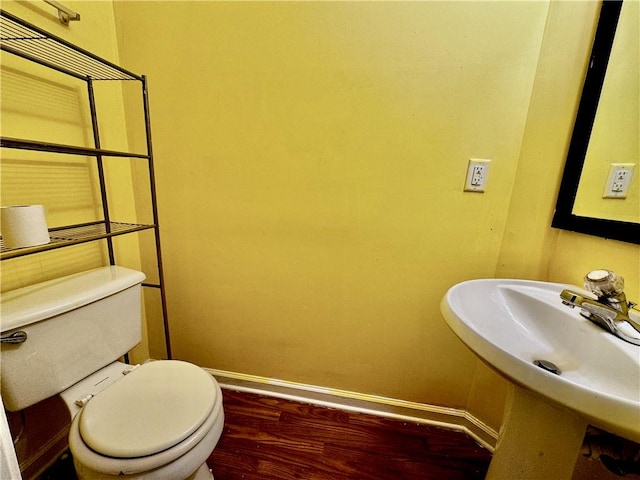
[{"x": 34, "y": 303}]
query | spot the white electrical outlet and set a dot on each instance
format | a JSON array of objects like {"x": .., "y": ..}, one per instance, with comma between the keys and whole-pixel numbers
[
  {"x": 477, "y": 173},
  {"x": 620, "y": 175}
]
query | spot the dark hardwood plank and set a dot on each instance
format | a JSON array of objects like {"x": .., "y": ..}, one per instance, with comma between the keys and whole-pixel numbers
[{"x": 272, "y": 439}]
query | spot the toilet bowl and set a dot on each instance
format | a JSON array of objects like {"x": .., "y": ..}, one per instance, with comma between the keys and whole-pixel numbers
[
  {"x": 157, "y": 421},
  {"x": 160, "y": 421}
]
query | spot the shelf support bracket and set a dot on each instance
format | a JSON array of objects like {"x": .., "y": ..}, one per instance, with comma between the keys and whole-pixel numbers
[{"x": 65, "y": 14}]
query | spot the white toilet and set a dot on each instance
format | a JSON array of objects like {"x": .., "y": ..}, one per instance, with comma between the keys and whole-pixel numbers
[{"x": 160, "y": 420}]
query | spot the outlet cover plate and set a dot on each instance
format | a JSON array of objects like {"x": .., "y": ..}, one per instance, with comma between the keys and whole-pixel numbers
[
  {"x": 477, "y": 173},
  {"x": 619, "y": 179}
]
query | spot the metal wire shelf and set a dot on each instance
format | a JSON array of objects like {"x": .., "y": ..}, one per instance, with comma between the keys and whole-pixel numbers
[
  {"x": 73, "y": 235},
  {"x": 30, "y": 42}
]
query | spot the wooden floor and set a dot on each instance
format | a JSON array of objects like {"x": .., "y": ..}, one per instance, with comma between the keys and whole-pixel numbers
[
  {"x": 267, "y": 438},
  {"x": 271, "y": 439}
]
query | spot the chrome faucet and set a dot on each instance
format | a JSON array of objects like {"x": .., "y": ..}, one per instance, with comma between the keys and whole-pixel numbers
[{"x": 610, "y": 308}]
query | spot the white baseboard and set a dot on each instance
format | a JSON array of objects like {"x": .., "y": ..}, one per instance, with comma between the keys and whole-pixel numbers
[{"x": 449, "y": 418}]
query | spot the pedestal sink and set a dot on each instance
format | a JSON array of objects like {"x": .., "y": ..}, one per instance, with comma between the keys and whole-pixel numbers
[{"x": 566, "y": 373}]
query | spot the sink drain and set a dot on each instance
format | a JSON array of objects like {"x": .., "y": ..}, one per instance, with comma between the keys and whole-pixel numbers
[{"x": 547, "y": 365}]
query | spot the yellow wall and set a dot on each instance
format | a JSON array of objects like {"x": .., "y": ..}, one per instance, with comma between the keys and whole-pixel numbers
[
  {"x": 310, "y": 167},
  {"x": 310, "y": 160},
  {"x": 310, "y": 164}
]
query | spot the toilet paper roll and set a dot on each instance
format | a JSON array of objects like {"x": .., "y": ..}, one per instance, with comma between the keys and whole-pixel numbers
[{"x": 23, "y": 226}]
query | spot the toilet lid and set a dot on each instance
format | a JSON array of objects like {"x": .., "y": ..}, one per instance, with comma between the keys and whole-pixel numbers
[{"x": 151, "y": 409}]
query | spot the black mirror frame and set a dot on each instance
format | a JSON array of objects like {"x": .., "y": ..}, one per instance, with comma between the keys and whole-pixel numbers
[{"x": 564, "y": 217}]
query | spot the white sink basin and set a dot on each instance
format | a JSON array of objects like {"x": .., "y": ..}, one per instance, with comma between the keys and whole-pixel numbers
[
  {"x": 511, "y": 323},
  {"x": 514, "y": 324}
]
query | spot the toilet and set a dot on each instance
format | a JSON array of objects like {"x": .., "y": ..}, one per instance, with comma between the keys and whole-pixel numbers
[{"x": 160, "y": 420}]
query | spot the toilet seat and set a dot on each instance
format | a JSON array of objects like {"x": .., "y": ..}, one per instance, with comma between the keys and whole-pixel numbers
[
  {"x": 193, "y": 450},
  {"x": 151, "y": 409}
]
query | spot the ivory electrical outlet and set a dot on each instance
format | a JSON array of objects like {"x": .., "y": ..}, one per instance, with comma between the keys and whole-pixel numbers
[
  {"x": 477, "y": 173},
  {"x": 619, "y": 179}
]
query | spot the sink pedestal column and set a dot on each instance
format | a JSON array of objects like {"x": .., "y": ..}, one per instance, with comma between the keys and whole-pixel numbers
[{"x": 537, "y": 440}]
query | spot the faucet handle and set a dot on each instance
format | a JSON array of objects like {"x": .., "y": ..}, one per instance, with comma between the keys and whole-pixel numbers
[{"x": 604, "y": 283}]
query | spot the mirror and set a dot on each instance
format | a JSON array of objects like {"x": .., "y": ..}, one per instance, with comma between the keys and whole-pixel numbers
[{"x": 606, "y": 130}]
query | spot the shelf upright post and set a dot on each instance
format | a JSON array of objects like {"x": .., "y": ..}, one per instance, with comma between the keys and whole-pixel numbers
[
  {"x": 154, "y": 207},
  {"x": 100, "y": 166}
]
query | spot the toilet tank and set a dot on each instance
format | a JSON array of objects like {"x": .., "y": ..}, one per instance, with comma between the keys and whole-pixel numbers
[{"x": 75, "y": 325}]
